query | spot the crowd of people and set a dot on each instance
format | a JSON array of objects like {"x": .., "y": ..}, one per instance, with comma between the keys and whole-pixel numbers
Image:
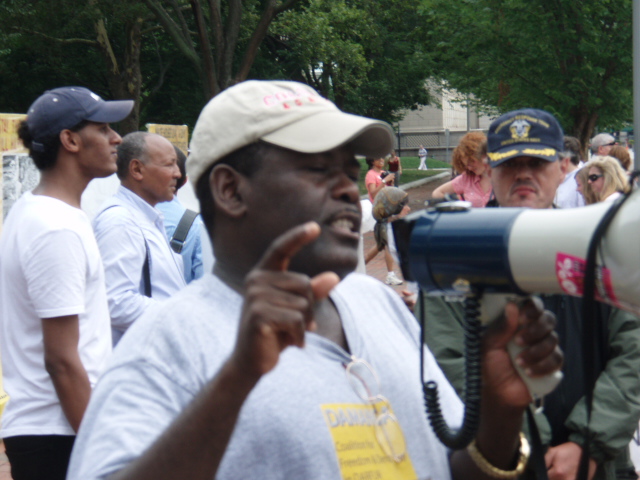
[
  {"x": 601, "y": 178},
  {"x": 281, "y": 363}
]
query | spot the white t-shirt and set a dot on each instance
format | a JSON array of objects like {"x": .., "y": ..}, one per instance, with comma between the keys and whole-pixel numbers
[
  {"x": 50, "y": 266},
  {"x": 567, "y": 195},
  {"x": 301, "y": 421}
]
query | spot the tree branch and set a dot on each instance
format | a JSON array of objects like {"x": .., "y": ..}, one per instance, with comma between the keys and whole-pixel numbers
[
  {"x": 105, "y": 46},
  {"x": 269, "y": 13},
  {"x": 163, "y": 71},
  {"x": 182, "y": 23},
  {"x": 82, "y": 41},
  {"x": 205, "y": 49},
  {"x": 216, "y": 26},
  {"x": 184, "y": 44},
  {"x": 231, "y": 40}
]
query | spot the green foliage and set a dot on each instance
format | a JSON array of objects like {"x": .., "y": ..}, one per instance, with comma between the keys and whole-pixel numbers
[
  {"x": 326, "y": 40},
  {"x": 571, "y": 58},
  {"x": 363, "y": 55},
  {"x": 33, "y": 63},
  {"x": 45, "y": 45},
  {"x": 410, "y": 163}
]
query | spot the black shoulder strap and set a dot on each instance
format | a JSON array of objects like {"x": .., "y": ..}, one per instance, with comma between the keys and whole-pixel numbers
[
  {"x": 182, "y": 230},
  {"x": 146, "y": 271},
  {"x": 536, "y": 463}
]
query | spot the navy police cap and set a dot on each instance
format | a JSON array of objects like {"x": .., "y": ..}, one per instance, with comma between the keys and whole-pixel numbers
[{"x": 524, "y": 133}]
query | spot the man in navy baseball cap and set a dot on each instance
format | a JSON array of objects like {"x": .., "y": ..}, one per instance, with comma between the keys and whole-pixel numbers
[
  {"x": 526, "y": 152},
  {"x": 65, "y": 107},
  {"x": 55, "y": 329},
  {"x": 523, "y": 148}
]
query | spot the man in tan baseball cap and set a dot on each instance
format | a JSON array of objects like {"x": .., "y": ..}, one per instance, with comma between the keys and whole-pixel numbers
[
  {"x": 276, "y": 175},
  {"x": 285, "y": 114}
]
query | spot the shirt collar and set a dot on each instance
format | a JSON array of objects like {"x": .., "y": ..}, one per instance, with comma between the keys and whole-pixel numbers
[{"x": 140, "y": 205}]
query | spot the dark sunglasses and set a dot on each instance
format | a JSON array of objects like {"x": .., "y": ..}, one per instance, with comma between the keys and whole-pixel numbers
[{"x": 593, "y": 177}]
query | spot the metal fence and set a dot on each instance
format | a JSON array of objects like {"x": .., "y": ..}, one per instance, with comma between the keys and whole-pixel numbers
[{"x": 439, "y": 144}]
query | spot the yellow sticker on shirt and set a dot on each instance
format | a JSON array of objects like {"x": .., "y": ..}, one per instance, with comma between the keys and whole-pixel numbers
[{"x": 369, "y": 442}]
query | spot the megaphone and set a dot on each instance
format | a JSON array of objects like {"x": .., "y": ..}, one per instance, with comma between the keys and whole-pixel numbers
[
  {"x": 493, "y": 253},
  {"x": 526, "y": 251}
]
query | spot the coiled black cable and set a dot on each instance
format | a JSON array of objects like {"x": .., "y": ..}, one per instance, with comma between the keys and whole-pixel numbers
[
  {"x": 459, "y": 439},
  {"x": 589, "y": 320}
]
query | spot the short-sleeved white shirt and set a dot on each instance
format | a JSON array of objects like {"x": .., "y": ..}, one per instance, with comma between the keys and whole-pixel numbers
[{"x": 50, "y": 267}]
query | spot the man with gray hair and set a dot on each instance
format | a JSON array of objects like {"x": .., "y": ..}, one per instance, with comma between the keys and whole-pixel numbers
[
  {"x": 525, "y": 172},
  {"x": 602, "y": 143},
  {"x": 140, "y": 267}
]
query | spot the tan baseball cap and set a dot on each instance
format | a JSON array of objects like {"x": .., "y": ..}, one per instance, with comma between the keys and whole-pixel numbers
[{"x": 287, "y": 114}]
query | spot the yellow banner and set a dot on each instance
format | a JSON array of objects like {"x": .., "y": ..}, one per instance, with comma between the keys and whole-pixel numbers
[
  {"x": 8, "y": 141},
  {"x": 176, "y": 134},
  {"x": 9, "y": 131}
]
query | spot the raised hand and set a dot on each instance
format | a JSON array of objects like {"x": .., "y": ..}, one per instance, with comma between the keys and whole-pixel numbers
[{"x": 278, "y": 304}]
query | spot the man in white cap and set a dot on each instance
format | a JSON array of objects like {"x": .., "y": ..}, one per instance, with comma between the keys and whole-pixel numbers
[
  {"x": 276, "y": 176},
  {"x": 54, "y": 322}
]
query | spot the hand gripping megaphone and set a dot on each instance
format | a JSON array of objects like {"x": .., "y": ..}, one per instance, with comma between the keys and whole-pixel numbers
[{"x": 451, "y": 249}]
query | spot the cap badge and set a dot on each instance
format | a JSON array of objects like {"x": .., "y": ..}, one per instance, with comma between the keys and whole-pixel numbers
[{"x": 520, "y": 129}]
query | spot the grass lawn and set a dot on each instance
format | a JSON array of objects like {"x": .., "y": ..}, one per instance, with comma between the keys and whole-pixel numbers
[{"x": 410, "y": 170}]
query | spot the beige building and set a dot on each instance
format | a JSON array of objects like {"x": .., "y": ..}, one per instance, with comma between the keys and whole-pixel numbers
[{"x": 438, "y": 127}]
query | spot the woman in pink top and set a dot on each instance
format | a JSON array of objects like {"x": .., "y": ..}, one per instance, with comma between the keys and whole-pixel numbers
[
  {"x": 473, "y": 184},
  {"x": 373, "y": 181}
]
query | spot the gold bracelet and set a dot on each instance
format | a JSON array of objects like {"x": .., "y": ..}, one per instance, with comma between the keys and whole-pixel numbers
[{"x": 484, "y": 465}]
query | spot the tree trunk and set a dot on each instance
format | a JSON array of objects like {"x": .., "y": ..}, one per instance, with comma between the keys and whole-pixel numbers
[
  {"x": 208, "y": 66},
  {"x": 132, "y": 78},
  {"x": 582, "y": 128},
  {"x": 124, "y": 83}
]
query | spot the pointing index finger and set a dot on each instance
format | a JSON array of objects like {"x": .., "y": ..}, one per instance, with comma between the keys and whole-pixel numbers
[{"x": 283, "y": 248}]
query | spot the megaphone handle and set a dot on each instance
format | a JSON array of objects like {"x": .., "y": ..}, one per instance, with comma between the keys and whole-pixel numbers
[{"x": 538, "y": 386}]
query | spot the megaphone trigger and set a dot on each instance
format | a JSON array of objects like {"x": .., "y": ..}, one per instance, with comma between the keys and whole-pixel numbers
[
  {"x": 491, "y": 308},
  {"x": 538, "y": 386}
]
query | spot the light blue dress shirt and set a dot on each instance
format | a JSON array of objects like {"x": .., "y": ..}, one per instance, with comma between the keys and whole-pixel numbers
[
  {"x": 192, "y": 248},
  {"x": 124, "y": 223}
]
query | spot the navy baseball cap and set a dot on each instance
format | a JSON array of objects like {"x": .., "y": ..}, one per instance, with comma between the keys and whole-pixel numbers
[
  {"x": 61, "y": 108},
  {"x": 524, "y": 133}
]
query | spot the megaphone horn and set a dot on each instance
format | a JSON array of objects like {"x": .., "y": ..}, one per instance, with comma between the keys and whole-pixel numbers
[{"x": 527, "y": 251}]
